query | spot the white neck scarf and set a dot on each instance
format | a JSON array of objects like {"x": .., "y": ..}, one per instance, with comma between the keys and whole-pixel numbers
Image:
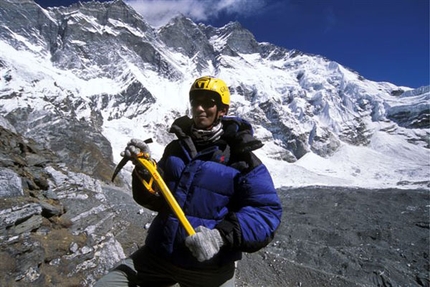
[{"x": 204, "y": 137}]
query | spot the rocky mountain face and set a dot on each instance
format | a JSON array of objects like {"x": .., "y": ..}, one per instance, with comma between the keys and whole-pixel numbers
[
  {"x": 59, "y": 227},
  {"x": 74, "y": 80}
]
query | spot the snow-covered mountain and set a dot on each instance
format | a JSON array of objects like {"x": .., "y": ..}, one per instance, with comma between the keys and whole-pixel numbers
[
  {"x": 83, "y": 80},
  {"x": 76, "y": 83}
]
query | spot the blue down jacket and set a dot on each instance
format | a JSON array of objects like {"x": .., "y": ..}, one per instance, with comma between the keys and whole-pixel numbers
[{"x": 223, "y": 186}]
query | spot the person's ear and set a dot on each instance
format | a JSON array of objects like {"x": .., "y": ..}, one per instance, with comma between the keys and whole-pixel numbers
[{"x": 223, "y": 111}]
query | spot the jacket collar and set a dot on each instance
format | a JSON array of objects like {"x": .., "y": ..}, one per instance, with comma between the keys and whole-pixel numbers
[{"x": 238, "y": 134}]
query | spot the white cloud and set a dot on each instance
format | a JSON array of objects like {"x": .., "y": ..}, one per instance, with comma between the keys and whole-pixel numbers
[{"x": 159, "y": 12}]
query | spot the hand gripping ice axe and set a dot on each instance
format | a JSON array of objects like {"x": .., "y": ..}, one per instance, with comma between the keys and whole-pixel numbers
[{"x": 144, "y": 160}]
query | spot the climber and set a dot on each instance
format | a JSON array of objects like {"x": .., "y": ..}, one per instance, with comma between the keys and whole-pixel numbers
[{"x": 225, "y": 191}]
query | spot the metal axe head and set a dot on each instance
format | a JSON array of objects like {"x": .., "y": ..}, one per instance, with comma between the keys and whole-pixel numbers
[{"x": 123, "y": 162}]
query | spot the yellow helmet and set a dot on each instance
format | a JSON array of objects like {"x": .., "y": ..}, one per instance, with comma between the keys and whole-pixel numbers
[{"x": 211, "y": 84}]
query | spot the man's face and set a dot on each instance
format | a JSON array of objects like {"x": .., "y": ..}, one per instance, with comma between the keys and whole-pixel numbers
[{"x": 205, "y": 111}]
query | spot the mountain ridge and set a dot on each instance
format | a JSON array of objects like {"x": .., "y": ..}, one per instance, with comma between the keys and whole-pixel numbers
[{"x": 122, "y": 67}]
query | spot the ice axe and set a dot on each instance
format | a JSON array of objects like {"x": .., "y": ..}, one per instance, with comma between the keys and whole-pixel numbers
[
  {"x": 124, "y": 160},
  {"x": 144, "y": 160}
]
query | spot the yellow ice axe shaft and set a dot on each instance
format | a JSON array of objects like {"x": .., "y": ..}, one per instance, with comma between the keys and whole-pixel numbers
[{"x": 152, "y": 168}]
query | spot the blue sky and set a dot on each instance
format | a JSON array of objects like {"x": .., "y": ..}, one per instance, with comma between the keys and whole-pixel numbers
[{"x": 383, "y": 40}]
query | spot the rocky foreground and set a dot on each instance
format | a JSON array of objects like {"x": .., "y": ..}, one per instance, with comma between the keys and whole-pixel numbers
[
  {"x": 346, "y": 237},
  {"x": 59, "y": 227}
]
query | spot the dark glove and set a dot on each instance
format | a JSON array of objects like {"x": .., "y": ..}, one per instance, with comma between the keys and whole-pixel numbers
[
  {"x": 134, "y": 148},
  {"x": 205, "y": 243}
]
